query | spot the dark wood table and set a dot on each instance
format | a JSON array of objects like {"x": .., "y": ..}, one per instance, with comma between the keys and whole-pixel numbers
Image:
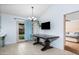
[{"x": 47, "y": 40}]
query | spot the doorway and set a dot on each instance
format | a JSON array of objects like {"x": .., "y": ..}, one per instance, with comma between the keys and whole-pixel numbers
[
  {"x": 21, "y": 31},
  {"x": 72, "y": 32}
]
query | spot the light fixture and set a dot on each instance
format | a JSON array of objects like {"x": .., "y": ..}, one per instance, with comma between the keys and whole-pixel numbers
[{"x": 32, "y": 17}]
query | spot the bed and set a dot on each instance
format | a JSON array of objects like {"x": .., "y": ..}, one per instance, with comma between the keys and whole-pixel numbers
[{"x": 72, "y": 36}]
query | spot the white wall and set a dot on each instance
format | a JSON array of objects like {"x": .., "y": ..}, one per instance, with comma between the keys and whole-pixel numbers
[
  {"x": 0, "y": 29},
  {"x": 55, "y": 14},
  {"x": 35, "y": 28},
  {"x": 9, "y": 26},
  {"x": 73, "y": 16},
  {"x": 0, "y": 22},
  {"x": 72, "y": 26}
]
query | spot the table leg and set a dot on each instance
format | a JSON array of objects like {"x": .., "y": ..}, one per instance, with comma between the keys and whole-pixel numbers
[
  {"x": 47, "y": 45},
  {"x": 38, "y": 42}
]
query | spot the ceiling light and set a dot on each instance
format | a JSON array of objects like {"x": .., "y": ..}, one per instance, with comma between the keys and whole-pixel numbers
[{"x": 32, "y": 18}]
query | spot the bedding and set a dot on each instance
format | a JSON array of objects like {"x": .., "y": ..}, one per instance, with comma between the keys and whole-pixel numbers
[{"x": 73, "y": 35}]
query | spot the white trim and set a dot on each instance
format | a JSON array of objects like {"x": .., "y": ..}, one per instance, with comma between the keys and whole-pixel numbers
[{"x": 17, "y": 36}]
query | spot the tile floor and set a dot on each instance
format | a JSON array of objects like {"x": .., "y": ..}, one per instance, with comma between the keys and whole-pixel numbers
[{"x": 27, "y": 48}]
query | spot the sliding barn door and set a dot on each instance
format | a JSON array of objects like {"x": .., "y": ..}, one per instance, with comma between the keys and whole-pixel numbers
[{"x": 28, "y": 30}]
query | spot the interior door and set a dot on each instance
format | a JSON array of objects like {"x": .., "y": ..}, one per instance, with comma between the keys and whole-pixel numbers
[{"x": 28, "y": 30}]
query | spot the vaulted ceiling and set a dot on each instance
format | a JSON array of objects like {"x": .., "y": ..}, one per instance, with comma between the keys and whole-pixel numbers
[
  {"x": 24, "y": 10},
  {"x": 73, "y": 16}
]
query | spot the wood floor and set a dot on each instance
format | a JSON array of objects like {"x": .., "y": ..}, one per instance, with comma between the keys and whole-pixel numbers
[
  {"x": 72, "y": 46},
  {"x": 27, "y": 48}
]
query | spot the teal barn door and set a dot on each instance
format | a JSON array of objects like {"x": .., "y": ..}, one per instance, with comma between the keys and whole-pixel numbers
[{"x": 28, "y": 30}]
